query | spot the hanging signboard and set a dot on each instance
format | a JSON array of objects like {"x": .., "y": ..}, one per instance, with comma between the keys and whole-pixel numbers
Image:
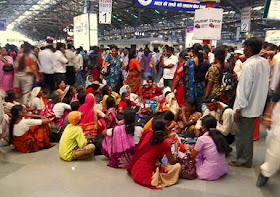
[
  {"x": 189, "y": 41},
  {"x": 85, "y": 31},
  {"x": 187, "y": 5},
  {"x": 245, "y": 19},
  {"x": 273, "y": 36},
  {"x": 208, "y": 24},
  {"x": 272, "y": 10},
  {"x": 105, "y": 11}
]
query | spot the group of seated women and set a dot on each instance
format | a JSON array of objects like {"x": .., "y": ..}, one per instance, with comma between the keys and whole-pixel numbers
[{"x": 96, "y": 120}]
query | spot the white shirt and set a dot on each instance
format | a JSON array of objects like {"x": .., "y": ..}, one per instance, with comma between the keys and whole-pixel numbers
[
  {"x": 46, "y": 58},
  {"x": 59, "y": 62},
  {"x": 211, "y": 57},
  {"x": 238, "y": 68},
  {"x": 252, "y": 88},
  {"x": 37, "y": 103},
  {"x": 79, "y": 62},
  {"x": 70, "y": 55},
  {"x": 168, "y": 73},
  {"x": 227, "y": 120},
  {"x": 137, "y": 133},
  {"x": 24, "y": 124},
  {"x": 59, "y": 109}
]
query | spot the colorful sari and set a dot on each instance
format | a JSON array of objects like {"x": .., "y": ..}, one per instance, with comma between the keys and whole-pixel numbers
[
  {"x": 88, "y": 121},
  {"x": 134, "y": 77},
  {"x": 38, "y": 137},
  {"x": 193, "y": 87},
  {"x": 179, "y": 88},
  {"x": 6, "y": 78},
  {"x": 119, "y": 148},
  {"x": 114, "y": 72}
]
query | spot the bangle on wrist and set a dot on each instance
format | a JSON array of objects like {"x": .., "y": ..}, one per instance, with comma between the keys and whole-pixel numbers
[{"x": 267, "y": 119}]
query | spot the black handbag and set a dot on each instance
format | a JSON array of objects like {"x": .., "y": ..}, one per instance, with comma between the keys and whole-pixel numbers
[
  {"x": 8, "y": 68},
  {"x": 188, "y": 169}
]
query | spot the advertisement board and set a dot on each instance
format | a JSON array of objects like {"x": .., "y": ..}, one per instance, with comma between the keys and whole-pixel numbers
[
  {"x": 273, "y": 36},
  {"x": 85, "y": 31},
  {"x": 272, "y": 10},
  {"x": 187, "y": 5},
  {"x": 189, "y": 41},
  {"x": 208, "y": 24},
  {"x": 245, "y": 19}
]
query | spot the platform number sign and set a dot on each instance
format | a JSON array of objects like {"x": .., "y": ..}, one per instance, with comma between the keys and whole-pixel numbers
[
  {"x": 245, "y": 19},
  {"x": 105, "y": 17}
]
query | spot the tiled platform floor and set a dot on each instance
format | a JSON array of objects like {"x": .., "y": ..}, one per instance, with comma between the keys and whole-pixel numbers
[{"x": 43, "y": 174}]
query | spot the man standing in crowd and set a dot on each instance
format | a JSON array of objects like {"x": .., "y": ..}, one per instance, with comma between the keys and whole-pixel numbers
[
  {"x": 271, "y": 121},
  {"x": 60, "y": 62},
  {"x": 46, "y": 58},
  {"x": 169, "y": 63},
  {"x": 250, "y": 101},
  {"x": 70, "y": 67}
]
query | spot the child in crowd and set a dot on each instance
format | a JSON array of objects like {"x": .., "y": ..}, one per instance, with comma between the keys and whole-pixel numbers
[
  {"x": 73, "y": 144},
  {"x": 89, "y": 81},
  {"x": 125, "y": 103},
  {"x": 111, "y": 112}
]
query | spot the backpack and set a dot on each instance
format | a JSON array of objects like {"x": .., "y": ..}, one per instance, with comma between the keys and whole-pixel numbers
[{"x": 229, "y": 81}]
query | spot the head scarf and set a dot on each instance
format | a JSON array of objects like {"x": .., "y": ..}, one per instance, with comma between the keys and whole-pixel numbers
[
  {"x": 74, "y": 117},
  {"x": 34, "y": 94},
  {"x": 88, "y": 121},
  {"x": 88, "y": 83},
  {"x": 123, "y": 89}
]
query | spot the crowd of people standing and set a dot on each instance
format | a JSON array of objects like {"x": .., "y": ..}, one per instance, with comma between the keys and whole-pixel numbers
[{"x": 146, "y": 111}]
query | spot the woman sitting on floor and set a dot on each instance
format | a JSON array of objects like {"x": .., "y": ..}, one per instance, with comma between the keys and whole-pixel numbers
[
  {"x": 70, "y": 95},
  {"x": 61, "y": 87},
  {"x": 210, "y": 151},
  {"x": 28, "y": 135},
  {"x": 151, "y": 91},
  {"x": 145, "y": 168},
  {"x": 119, "y": 143},
  {"x": 187, "y": 117},
  {"x": 107, "y": 91},
  {"x": 133, "y": 97},
  {"x": 73, "y": 144},
  {"x": 38, "y": 100}
]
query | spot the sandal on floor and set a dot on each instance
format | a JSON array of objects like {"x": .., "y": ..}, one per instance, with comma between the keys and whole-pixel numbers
[
  {"x": 238, "y": 164},
  {"x": 235, "y": 164}
]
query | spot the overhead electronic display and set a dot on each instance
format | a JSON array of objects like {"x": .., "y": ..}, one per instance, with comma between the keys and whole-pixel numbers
[{"x": 187, "y": 5}]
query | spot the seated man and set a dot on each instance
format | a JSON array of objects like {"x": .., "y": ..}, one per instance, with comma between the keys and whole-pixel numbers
[
  {"x": 73, "y": 144},
  {"x": 224, "y": 116},
  {"x": 151, "y": 91}
]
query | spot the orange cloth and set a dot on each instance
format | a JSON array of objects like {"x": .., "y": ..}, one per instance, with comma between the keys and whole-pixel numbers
[{"x": 74, "y": 117}]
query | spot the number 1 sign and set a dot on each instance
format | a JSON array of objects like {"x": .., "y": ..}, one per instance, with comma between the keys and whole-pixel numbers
[
  {"x": 105, "y": 11},
  {"x": 105, "y": 17}
]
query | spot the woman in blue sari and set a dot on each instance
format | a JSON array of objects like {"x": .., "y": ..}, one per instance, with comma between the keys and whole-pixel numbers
[{"x": 113, "y": 67}]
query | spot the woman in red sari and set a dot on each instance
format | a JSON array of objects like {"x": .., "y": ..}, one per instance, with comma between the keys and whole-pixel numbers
[
  {"x": 134, "y": 75},
  {"x": 28, "y": 135},
  {"x": 177, "y": 83},
  {"x": 88, "y": 121},
  {"x": 145, "y": 167}
]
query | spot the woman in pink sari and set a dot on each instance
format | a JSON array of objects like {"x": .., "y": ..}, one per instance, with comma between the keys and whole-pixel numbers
[
  {"x": 88, "y": 121},
  {"x": 6, "y": 77},
  {"x": 119, "y": 143}
]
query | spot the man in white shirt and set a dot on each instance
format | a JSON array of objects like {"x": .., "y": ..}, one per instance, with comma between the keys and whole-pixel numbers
[
  {"x": 79, "y": 67},
  {"x": 70, "y": 67},
  {"x": 46, "y": 58},
  {"x": 60, "y": 62},
  {"x": 224, "y": 116},
  {"x": 125, "y": 64},
  {"x": 250, "y": 100},
  {"x": 169, "y": 64}
]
